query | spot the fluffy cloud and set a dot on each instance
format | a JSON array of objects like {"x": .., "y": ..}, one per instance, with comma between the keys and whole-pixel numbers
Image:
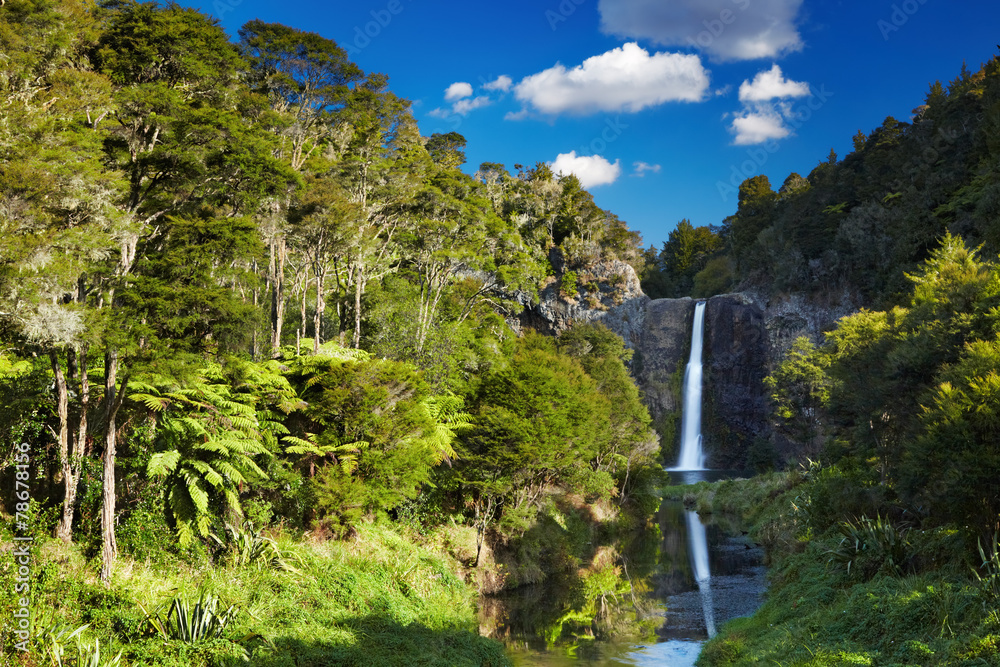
[
  {"x": 590, "y": 169},
  {"x": 642, "y": 167},
  {"x": 757, "y": 127},
  {"x": 725, "y": 29},
  {"x": 623, "y": 79},
  {"x": 463, "y": 107},
  {"x": 457, "y": 91},
  {"x": 765, "y": 109},
  {"x": 501, "y": 83},
  {"x": 770, "y": 85}
]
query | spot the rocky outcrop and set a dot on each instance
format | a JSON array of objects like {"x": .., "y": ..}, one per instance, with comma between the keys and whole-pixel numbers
[
  {"x": 607, "y": 291},
  {"x": 791, "y": 316},
  {"x": 660, "y": 358}
]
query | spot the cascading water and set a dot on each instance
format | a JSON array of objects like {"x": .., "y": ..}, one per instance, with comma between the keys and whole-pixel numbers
[
  {"x": 698, "y": 549},
  {"x": 692, "y": 457}
]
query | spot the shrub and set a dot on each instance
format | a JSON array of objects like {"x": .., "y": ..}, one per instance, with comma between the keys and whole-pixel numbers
[
  {"x": 192, "y": 625},
  {"x": 568, "y": 284},
  {"x": 870, "y": 545}
]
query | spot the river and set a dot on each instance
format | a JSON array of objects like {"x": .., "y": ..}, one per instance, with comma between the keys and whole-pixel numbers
[{"x": 667, "y": 613}]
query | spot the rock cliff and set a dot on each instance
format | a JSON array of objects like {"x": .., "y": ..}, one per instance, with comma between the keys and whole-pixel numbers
[
  {"x": 735, "y": 410},
  {"x": 746, "y": 335},
  {"x": 607, "y": 291},
  {"x": 661, "y": 355}
]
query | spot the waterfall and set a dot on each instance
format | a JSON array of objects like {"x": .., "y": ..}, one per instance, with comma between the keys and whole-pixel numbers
[
  {"x": 698, "y": 549},
  {"x": 692, "y": 457}
]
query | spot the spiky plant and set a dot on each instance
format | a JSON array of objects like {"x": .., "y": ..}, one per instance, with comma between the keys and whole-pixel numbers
[
  {"x": 251, "y": 548},
  {"x": 191, "y": 623},
  {"x": 989, "y": 581}
]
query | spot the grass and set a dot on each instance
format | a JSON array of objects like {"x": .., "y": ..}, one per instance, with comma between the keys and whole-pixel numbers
[
  {"x": 933, "y": 613},
  {"x": 376, "y": 600}
]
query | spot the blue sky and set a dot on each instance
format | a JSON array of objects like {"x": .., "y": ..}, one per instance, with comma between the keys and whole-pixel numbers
[{"x": 662, "y": 106}]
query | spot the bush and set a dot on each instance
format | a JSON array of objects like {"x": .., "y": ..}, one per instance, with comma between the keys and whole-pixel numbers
[
  {"x": 871, "y": 545},
  {"x": 568, "y": 284}
]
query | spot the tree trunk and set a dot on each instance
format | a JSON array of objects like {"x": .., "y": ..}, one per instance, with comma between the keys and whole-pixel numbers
[
  {"x": 358, "y": 287},
  {"x": 301, "y": 333},
  {"x": 278, "y": 257},
  {"x": 318, "y": 315},
  {"x": 80, "y": 448},
  {"x": 109, "y": 545},
  {"x": 64, "y": 531}
]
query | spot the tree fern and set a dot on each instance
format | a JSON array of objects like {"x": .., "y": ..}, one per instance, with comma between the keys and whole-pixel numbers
[{"x": 209, "y": 436}]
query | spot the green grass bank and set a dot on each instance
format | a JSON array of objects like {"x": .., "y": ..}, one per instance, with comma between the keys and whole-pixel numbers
[
  {"x": 376, "y": 599},
  {"x": 860, "y": 592}
]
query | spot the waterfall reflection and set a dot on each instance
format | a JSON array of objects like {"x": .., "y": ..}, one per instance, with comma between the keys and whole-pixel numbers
[{"x": 698, "y": 550}]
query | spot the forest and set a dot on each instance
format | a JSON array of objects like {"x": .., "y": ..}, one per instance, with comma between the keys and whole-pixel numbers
[
  {"x": 264, "y": 393},
  {"x": 253, "y": 323}
]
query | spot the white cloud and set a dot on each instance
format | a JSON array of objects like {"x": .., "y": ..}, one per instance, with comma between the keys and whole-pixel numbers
[
  {"x": 623, "y": 79},
  {"x": 516, "y": 115},
  {"x": 501, "y": 83},
  {"x": 725, "y": 29},
  {"x": 765, "y": 107},
  {"x": 590, "y": 169},
  {"x": 771, "y": 84},
  {"x": 457, "y": 91},
  {"x": 642, "y": 167},
  {"x": 439, "y": 113},
  {"x": 465, "y": 106},
  {"x": 757, "y": 127}
]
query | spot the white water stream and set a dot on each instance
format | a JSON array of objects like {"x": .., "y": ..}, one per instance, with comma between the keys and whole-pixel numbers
[
  {"x": 698, "y": 549},
  {"x": 692, "y": 457}
]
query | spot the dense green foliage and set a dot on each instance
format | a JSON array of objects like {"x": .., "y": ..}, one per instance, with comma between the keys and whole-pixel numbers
[
  {"x": 885, "y": 548},
  {"x": 910, "y": 396},
  {"x": 301, "y": 307},
  {"x": 691, "y": 263}
]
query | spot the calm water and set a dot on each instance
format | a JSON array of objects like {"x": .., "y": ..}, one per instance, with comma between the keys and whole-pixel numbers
[{"x": 668, "y": 615}]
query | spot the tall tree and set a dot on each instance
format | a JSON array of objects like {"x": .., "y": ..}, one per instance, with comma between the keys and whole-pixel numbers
[{"x": 306, "y": 78}]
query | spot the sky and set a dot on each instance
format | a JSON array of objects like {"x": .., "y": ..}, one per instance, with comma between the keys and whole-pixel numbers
[{"x": 661, "y": 107}]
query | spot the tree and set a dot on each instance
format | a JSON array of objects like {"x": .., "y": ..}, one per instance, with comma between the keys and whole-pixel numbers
[
  {"x": 537, "y": 422},
  {"x": 375, "y": 427},
  {"x": 754, "y": 214},
  {"x": 306, "y": 76},
  {"x": 447, "y": 150},
  {"x": 382, "y": 166},
  {"x": 631, "y": 445}
]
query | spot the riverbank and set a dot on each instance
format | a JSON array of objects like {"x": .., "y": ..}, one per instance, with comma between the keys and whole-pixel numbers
[
  {"x": 908, "y": 598},
  {"x": 377, "y": 599}
]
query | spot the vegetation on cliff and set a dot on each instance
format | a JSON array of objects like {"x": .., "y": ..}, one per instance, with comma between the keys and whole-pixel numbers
[{"x": 861, "y": 222}]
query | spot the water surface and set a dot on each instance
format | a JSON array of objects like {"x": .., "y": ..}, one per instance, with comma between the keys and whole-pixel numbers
[{"x": 665, "y": 620}]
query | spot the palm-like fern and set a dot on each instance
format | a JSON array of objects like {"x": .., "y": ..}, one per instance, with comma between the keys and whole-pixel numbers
[
  {"x": 312, "y": 448},
  {"x": 208, "y": 437},
  {"x": 449, "y": 421}
]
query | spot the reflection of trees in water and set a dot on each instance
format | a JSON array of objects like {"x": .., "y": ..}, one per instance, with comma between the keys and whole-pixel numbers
[{"x": 646, "y": 593}]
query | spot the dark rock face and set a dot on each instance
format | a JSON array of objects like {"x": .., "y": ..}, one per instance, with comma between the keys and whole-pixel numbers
[
  {"x": 660, "y": 358},
  {"x": 735, "y": 410}
]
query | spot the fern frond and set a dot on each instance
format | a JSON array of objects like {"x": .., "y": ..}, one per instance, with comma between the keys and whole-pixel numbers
[{"x": 162, "y": 464}]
